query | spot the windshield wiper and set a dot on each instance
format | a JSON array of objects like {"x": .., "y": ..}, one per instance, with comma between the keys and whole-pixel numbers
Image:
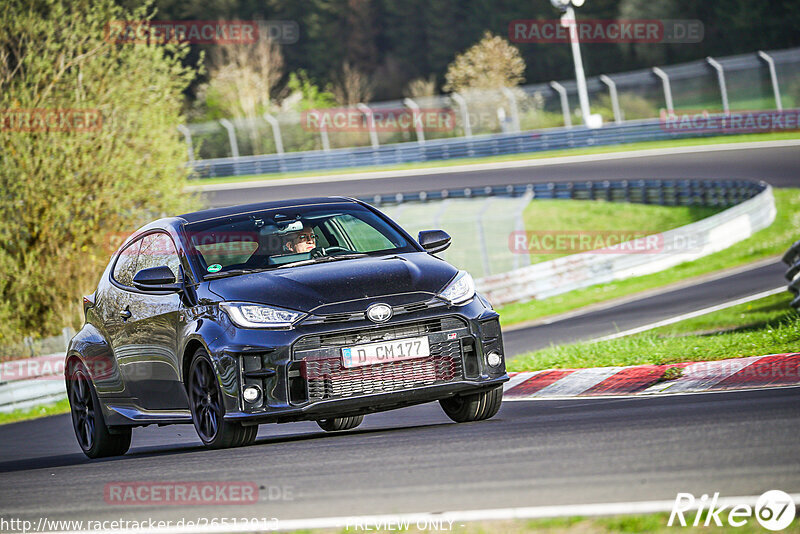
[
  {"x": 232, "y": 272},
  {"x": 323, "y": 259}
]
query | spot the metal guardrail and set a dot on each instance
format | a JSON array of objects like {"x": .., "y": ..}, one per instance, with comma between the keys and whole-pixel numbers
[
  {"x": 712, "y": 193},
  {"x": 687, "y": 243},
  {"x": 31, "y": 382},
  {"x": 444, "y": 149},
  {"x": 792, "y": 259}
]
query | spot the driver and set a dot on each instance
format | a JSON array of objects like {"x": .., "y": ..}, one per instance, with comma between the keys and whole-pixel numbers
[{"x": 301, "y": 241}]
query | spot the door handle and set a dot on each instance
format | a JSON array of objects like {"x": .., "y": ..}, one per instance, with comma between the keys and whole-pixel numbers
[{"x": 125, "y": 314}]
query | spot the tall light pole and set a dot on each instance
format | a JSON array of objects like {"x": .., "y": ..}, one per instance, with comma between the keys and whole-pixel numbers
[{"x": 568, "y": 19}]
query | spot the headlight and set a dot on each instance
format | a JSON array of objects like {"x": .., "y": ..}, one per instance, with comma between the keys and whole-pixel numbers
[
  {"x": 259, "y": 316},
  {"x": 460, "y": 290}
]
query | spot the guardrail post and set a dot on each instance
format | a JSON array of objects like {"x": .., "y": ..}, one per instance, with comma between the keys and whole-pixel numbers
[
  {"x": 667, "y": 89},
  {"x": 612, "y": 91},
  {"x": 187, "y": 135},
  {"x": 773, "y": 76},
  {"x": 462, "y": 103},
  {"x": 228, "y": 125},
  {"x": 512, "y": 102},
  {"x": 373, "y": 134},
  {"x": 721, "y": 78},
  {"x": 415, "y": 113},
  {"x": 564, "y": 102}
]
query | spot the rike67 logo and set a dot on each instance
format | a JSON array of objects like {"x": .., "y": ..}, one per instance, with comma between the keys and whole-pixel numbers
[{"x": 774, "y": 510}]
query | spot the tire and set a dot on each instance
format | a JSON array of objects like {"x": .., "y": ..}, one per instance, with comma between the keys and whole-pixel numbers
[
  {"x": 205, "y": 403},
  {"x": 95, "y": 438},
  {"x": 474, "y": 407},
  {"x": 336, "y": 424}
]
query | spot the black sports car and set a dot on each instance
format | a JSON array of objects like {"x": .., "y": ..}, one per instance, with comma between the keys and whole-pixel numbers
[{"x": 316, "y": 309}]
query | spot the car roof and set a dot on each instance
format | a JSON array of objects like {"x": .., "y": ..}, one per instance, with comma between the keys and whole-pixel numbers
[{"x": 204, "y": 215}]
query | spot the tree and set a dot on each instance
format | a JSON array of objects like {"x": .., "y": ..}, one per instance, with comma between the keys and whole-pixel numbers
[
  {"x": 70, "y": 188},
  {"x": 492, "y": 63}
]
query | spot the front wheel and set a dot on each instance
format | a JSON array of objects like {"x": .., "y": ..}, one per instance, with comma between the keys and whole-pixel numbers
[
  {"x": 94, "y": 437},
  {"x": 205, "y": 400},
  {"x": 336, "y": 424},
  {"x": 474, "y": 407}
]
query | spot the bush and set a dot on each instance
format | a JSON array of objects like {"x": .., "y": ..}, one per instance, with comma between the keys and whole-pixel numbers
[{"x": 66, "y": 193}]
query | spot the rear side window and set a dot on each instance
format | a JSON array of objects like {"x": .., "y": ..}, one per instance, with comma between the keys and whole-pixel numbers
[{"x": 125, "y": 267}]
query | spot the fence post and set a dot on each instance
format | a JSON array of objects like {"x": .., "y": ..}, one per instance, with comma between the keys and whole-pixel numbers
[
  {"x": 721, "y": 78},
  {"x": 512, "y": 102},
  {"x": 525, "y": 199},
  {"x": 415, "y": 113},
  {"x": 373, "y": 134},
  {"x": 228, "y": 125},
  {"x": 187, "y": 135},
  {"x": 773, "y": 77},
  {"x": 276, "y": 132},
  {"x": 612, "y": 91},
  {"x": 482, "y": 237},
  {"x": 564, "y": 103},
  {"x": 464, "y": 113},
  {"x": 323, "y": 135},
  {"x": 667, "y": 89}
]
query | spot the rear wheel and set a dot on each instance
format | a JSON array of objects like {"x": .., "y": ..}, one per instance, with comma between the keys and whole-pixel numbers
[
  {"x": 473, "y": 407},
  {"x": 340, "y": 423},
  {"x": 205, "y": 400},
  {"x": 95, "y": 438}
]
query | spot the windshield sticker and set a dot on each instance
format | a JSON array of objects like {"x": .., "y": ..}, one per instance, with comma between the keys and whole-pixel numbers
[{"x": 214, "y": 267}]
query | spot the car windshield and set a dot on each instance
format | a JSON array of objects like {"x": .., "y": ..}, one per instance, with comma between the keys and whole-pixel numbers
[{"x": 281, "y": 237}]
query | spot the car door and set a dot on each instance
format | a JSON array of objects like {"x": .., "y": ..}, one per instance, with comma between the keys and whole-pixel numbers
[{"x": 152, "y": 366}]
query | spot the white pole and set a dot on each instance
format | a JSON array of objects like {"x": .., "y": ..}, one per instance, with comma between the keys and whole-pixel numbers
[
  {"x": 557, "y": 87},
  {"x": 773, "y": 77},
  {"x": 187, "y": 135},
  {"x": 228, "y": 125},
  {"x": 667, "y": 89},
  {"x": 373, "y": 134},
  {"x": 612, "y": 90},
  {"x": 464, "y": 113},
  {"x": 512, "y": 102},
  {"x": 276, "y": 132},
  {"x": 410, "y": 104},
  {"x": 721, "y": 78},
  {"x": 580, "y": 77}
]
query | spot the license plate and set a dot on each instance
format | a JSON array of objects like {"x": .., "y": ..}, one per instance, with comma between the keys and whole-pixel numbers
[{"x": 385, "y": 352}]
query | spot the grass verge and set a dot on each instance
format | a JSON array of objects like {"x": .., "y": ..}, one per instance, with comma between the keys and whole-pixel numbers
[
  {"x": 765, "y": 326},
  {"x": 771, "y": 241},
  {"x": 567, "y": 217},
  {"x": 56, "y": 408},
  {"x": 509, "y": 157}
]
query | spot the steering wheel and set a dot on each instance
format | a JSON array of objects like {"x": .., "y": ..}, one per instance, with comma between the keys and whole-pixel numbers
[{"x": 325, "y": 251}]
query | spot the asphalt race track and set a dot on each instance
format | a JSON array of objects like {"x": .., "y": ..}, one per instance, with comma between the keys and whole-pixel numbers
[
  {"x": 415, "y": 460},
  {"x": 532, "y": 453},
  {"x": 777, "y": 166}
]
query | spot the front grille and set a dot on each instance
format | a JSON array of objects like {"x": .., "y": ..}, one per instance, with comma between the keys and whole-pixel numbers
[
  {"x": 382, "y": 333},
  {"x": 328, "y": 379},
  {"x": 319, "y": 358}
]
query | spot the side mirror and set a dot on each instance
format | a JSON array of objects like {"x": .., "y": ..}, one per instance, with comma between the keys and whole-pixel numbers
[
  {"x": 156, "y": 279},
  {"x": 434, "y": 241}
]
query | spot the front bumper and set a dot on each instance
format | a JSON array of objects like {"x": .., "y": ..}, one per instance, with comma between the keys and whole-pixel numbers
[{"x": 300, "y": 375}]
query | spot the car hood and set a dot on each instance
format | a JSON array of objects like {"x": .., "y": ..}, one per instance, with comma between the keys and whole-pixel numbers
[{"x": 307, "y": 287}]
